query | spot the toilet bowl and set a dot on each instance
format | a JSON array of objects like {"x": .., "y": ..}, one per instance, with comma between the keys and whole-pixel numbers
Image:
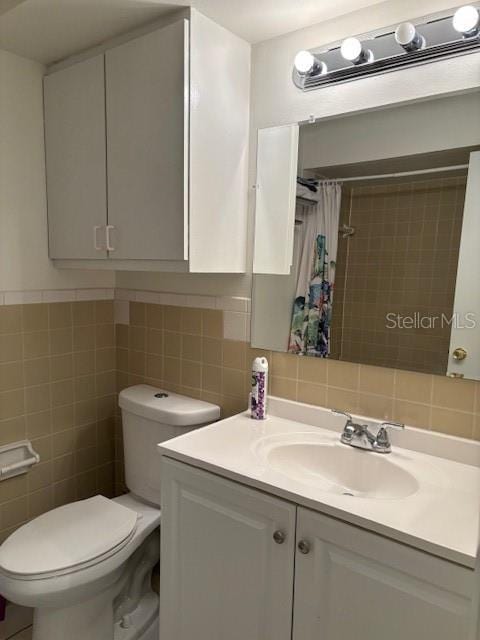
[{"x": 86, "y": 567}]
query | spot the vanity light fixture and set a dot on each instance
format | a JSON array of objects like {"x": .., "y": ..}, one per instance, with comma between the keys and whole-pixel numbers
[
  {"x": 428, "y": 39},
  {"x": 408, "y": 37},
  {"x": 466, "y": 21},
  {"x": 306, "y": 63},
  {"x": 353, "y": 51}
]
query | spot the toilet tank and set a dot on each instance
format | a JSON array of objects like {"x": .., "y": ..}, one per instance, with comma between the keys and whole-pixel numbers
[{"x": 150, "y": 416}]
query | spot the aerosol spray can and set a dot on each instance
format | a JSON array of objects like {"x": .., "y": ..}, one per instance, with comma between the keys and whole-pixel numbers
[{"x": 258, "y": 394}]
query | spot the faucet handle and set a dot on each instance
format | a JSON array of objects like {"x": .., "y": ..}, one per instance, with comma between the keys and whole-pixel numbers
[
  {"x": 337, "y": 412},
  {"x": 349, "y": 428},
  {"x": 382, "y": 439},
  {"x": 393, "y": 425}
]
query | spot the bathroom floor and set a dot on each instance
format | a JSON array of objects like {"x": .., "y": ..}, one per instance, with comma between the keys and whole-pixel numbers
[
  {"x": 25, "y": 634},
  {"x": 17, "y": 624}
]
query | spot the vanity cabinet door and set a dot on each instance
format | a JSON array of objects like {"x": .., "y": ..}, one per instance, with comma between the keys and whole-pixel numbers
[
  {"x": 226, "y": 574},
  {"x": 351, "y": 584}
]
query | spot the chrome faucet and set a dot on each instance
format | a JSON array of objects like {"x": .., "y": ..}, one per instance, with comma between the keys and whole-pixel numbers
[{"x": 359, "y": 435}]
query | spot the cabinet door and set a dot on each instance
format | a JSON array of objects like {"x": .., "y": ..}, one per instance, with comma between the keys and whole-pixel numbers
[
  {"x": 219, "y": 132},
  {"x": 277, "y": 159},
  {"x": 223, "y": 575},
  {"x": 355, "y": 585},
  {"x": 467, "y": 292},
  {"x": 75, "y": 158},
  {"x": 147, "y": 137}
]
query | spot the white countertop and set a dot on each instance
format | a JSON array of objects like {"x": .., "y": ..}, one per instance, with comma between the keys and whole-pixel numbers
[{"x": 441, "y": 517}]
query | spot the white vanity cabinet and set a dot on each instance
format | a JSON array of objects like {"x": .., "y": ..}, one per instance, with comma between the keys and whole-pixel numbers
[
  {"x": 354, "y": 584},
  {"x": 226, "y": 573},
  {"x": 223, "y": 575},
  {"x": 146, "y": 152}
]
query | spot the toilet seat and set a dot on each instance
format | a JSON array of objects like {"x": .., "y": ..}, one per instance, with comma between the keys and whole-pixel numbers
[{"x": 68, "y": 539}]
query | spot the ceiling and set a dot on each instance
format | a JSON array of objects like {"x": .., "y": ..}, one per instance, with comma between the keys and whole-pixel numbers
[{"x": 50, "y": 30}]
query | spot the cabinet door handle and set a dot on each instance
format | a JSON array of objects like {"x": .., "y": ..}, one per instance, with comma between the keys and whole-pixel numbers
[
  {"x": 98, "y": 247},
  {"x": 304, "y": 547},
  {"x": 279, "y": 536},
  {"x": 108, "y": 228}
]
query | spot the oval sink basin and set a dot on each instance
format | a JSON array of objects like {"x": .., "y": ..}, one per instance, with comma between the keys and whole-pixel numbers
[{"x": 342, "y": 470}]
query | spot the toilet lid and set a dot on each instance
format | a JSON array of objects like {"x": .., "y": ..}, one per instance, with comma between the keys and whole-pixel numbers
[{"x": 67, "y": 537}]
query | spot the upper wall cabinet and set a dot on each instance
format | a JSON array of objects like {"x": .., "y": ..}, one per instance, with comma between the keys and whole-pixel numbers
[
  {"x": 76, "y": 160},
  {"x": 147, "y": 152},
  {"x": 147, "y": 145}
]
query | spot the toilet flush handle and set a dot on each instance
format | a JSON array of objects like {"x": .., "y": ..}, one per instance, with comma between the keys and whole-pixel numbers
[{"x": 126, "y": 621}]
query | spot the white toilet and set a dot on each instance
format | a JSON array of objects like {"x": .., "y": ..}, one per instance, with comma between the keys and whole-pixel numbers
[{"x": 86, "y": 567}]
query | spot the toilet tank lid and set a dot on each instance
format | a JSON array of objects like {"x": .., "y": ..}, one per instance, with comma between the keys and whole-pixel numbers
[{"x": 166, "y": 407}]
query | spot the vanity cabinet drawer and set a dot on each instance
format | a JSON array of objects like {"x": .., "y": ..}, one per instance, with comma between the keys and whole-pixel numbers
[
  {"x": 355, "y": 584},
  {"x": 227, "y": 559}
]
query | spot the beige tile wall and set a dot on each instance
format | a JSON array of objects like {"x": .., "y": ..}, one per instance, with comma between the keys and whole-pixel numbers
[
  {"x": 61, "y": 365},
  {"x": 183, "y": 350},
  {"x": 426, "y": 401},
  {"x": 57, "y": 388},
  {"x": 402, "y": 260}
]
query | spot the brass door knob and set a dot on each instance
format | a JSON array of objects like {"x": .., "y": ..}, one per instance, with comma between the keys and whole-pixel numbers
[{"x": 459, "y": 353}]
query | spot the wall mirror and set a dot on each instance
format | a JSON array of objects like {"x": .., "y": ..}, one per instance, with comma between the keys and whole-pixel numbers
[{"x": 367, "y": 238}]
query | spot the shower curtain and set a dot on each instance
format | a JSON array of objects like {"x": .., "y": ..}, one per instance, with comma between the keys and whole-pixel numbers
[{"x": 315, "y": 268}]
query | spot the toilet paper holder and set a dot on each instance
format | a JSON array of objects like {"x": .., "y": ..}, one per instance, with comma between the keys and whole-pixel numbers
[{"x": 17, "y": 458}]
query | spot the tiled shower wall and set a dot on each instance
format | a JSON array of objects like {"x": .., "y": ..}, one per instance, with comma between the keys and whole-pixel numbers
[
  {"x": 403, "y": 260},
  {"x": 57, "y": 388}
]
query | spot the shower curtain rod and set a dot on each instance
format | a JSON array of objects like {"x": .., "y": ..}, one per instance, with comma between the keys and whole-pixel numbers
[{"x": 398, "y": 175}]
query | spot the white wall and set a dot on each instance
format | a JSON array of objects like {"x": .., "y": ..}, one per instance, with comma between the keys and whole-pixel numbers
[
  {"x": 423, "y": 127},
  {"x": 275, "y": 101},
  {"x": 203, "y": 284},
  {"x": 24, "y": 263}
]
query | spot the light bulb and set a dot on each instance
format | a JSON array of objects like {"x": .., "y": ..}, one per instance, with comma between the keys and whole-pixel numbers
[
  {"x": 306, "y": 63},
  {"x": 353, "y": 51},
  {"x": 466, "y": 20},
  {"x": 408, "y": 37}
]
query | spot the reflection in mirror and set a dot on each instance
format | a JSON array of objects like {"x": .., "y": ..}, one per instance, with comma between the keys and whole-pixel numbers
[{"x": 383, "y": 263}]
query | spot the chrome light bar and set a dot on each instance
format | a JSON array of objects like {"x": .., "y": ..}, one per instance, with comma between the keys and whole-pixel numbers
[{"x": 425, "y": 40}]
